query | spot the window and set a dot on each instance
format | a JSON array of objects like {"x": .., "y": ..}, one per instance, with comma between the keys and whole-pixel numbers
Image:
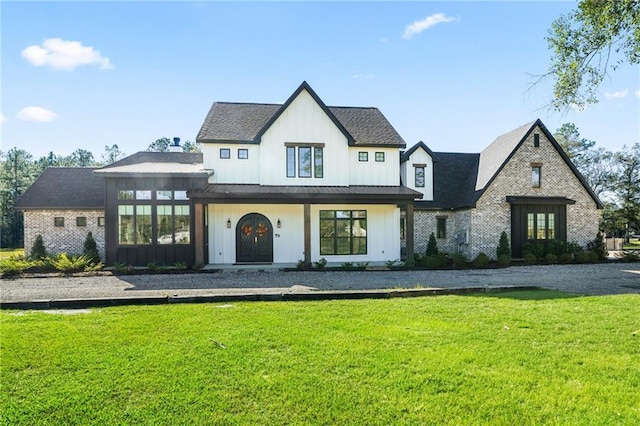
[
  {"x": 402, "y": 228},
  {"x": 180, "y": 195},
  {"x": 143, "y": 224},
  {"x": 81, "y": 221},
  {"x": 536, "y": 140},
  {"x": 441, "y": 227},
  {"x": 380, "y": 157},
  {"x": 343, "y": 232},
  {"x": 310, "y": 160},
  {"x": 101, "y": 221},
  {"x": 164, "y": 195},
  {"x": 419, "y": 171},
  {"x": 541, "y": 226},
  {"x": 536, "y": 171},
  {"x": 125, "y": 225},
  {"x": 125, "y": 194},
  {"x": 58, "y": 222},
  {"x": 182, "y": 233},
  {"x": 143, "y": 195},
  {"x": 225, "y": 153},
  {"x": 363, "y": 156},
  {"x": 243, "y": 153}
]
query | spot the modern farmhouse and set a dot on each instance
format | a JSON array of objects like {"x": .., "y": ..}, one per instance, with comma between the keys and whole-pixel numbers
[{"x": 279, "y": 183}]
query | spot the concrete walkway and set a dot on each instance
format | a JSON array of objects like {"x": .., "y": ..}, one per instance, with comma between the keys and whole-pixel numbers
[{"x": 270, "y": 284}]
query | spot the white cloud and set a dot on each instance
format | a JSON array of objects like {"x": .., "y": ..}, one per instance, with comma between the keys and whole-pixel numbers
[
  {"x": 428, "y": 22},
  {"x": 64, "y": 55},
  {"x": 362, "y": 76},
  {"x": 617, "y": 95},
  {"x": 34, "y": 113}
]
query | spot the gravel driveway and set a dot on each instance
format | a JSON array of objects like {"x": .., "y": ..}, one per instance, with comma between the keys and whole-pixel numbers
[{"x": 610, "y": 278}]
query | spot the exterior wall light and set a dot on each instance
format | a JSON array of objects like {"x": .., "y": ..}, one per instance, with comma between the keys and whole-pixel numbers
[
  {"x": 229, "y": 223},
  {"x": 278, "y": 223}
]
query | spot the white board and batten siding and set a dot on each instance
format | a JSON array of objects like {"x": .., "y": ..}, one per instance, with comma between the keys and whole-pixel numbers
[
  {"x": 372, "y": 172},
  {"x": 233, "y": 169},
  {"x": 407, "y": 170}
]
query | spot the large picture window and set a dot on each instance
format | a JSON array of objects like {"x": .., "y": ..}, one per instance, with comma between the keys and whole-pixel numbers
[
  {"x": 541, "y": 226},
  {"x": 343, "y": 232},
  {"x": 305, "y": 161},
  {"x": 173, "y": 225}
]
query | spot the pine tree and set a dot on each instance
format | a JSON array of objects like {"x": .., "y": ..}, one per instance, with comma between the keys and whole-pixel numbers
[
  {"x": 432, "y": 246},
  {"x": 91, "y": 249},
  {"x": 504, "y": 249},
  {"x": 38, "y": 252}
]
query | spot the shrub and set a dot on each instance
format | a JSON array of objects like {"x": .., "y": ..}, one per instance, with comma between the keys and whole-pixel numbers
[
  {"x": 122, "y": 268},
  {"x": 551, "y": 258},
  {"x": 38, "y": 252},
  {"x": 630, "y": 256},
  {"x": 439, "y": 260},
  {"x": 390, "y": 263},
  {"x": 68, "y": 264},
  {"x": 362, "y": 265},
  {"x": 565, "y": 258},
  {"x": 504, "y": 259},
  {"x": 347, "y": 265},
  {"x": 432, "y": 246},
  {"x": 303, "y": 265},
  {"x": 320, "y": 264},
  {"x": 417, "y": 260},
  {"x": 156, "y": 267},
  {"x": 598, "y": 247},
  {"x": 530, "y": 258},
  {"x": 481, "y": 261},
  {"x": 459, "y": 260},
  {"x": 15, "y": 265},
  {"x": 90, "y": 248},
  {"x": 504, "y": 249},
  {"x": 583, "y": 257},
  {"x": 180, "y": 266}
]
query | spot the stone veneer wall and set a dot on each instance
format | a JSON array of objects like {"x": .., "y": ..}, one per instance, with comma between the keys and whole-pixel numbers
[
  {"x": 70, "y": 238},
  {"x": 492, "y": 214},
  {"x": 425, "y": 222}
]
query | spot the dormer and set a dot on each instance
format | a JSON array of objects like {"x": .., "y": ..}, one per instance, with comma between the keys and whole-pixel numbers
[{"x": 416, "y": 169}]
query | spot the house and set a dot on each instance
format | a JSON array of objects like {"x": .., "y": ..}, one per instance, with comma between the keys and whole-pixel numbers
[
  {"x": 279, "y": 183},
  {"x": 523, "y": 183}
]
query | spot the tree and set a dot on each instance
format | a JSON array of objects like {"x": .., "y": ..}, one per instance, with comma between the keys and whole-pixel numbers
[
  {"x": 595, "y": 164},
  {"x": 38, "y": 251},
  {"x": 588, "y": 42},
  {"x": 112, "y": 154},
  {"x": 189, "y": 146},
  {"x": 90, "y": 248},
  {"x": 432, "y": 246},
  {"x": 160, "y": 145},
  {"x": 16, "y": 175},
  {"x": 627, "y": 187},
  {"x": 82, "y": 158}
]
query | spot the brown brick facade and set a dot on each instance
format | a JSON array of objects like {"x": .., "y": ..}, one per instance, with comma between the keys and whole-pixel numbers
[{"x": 69, "y": 238}]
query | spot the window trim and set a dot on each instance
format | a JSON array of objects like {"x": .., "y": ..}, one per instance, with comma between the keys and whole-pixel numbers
[
  {"x": 380, "y": 157},
  {"x": 245, "y": 152},
  {"x": 101, "y": 221},
  {"x": 334, "y": 238},
  {"x": 363, "y": 156},
  {"x": 293, "y": 163},
  {"x": 81, "y": 221}
]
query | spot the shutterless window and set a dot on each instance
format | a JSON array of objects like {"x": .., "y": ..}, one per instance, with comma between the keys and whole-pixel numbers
[
  {"x": 101, "y": 221},
  {"x": 305, "y": 161},
  {"x": 143, "y": 195},
  {"x": 125, "y": 194},
  {"x": 541, "y": 226},
  {"x": 164, "y": 195},
  {"x": 536, "y": 140},
  {"x": 225, "y": 153},
  {"x": 343, "y": 232},
  {"x": 180, "y": 195},
  {"x": 243, "y": 153},
  {"x": 363, "y": 156},
  {"x": 380, "y": 157},
  {"x": 536, "y": 179},
  {"x": 81, "y": 221},
  {"x": 291, "y": 161},
  {"x": 58, "y": 222},
  {"x": 419, "y": 177},
  {"x": 143, "y": 224},
  {"x": 441, "y": 227}
]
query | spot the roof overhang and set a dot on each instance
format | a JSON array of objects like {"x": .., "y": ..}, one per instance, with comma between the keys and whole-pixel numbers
[{"x": 539, "y": 200}]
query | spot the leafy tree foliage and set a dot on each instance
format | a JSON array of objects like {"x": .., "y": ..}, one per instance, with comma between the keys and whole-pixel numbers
[
  {"x": 627, "y": 187},
  {"x": 112, "y": 154},
  {"x": 595, "y": 164},
  {"x": 586, "y": 43},
  {"x": 160, "y": 145},
  {"x": 189, "y": 146},
  {"x": 17, "y": 173}
]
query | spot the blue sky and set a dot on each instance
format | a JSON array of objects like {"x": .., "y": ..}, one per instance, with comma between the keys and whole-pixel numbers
[{"x": 455, "y": 75}]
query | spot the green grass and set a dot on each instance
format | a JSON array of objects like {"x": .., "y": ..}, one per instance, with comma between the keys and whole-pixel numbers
[
  {"x": 6, "y": 253},
  {"x": 515, "y": 358}
]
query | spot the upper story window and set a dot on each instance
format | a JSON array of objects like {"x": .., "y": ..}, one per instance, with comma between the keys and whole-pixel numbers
[
  {"x": 536, "y": 175},
  {"x": 441, "y": 227},
  {"x": 225, "y": 153},
  {"x": 380, "y": 157},
  {"x": 536, "y": 140},
  {"x": 81, "y": 221},
  {"x": 305, "y": 161},
  {"x": 243, "y": 153},
  {"x": 419, "y": 175},
  {"x": 363, "y": 156}
]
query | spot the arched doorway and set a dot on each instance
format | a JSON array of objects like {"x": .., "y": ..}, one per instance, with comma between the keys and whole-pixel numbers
[{"x": 254, "y": 239}]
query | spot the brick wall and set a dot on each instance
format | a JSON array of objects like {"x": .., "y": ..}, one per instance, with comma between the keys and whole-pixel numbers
[
  {"x": 492, "y": 214},
  {"x": 425, "y": 222},
  {"x": 69, "y": 238}
]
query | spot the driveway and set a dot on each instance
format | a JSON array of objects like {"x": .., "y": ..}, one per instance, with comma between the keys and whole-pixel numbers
[{"x": 609, "y": 278}]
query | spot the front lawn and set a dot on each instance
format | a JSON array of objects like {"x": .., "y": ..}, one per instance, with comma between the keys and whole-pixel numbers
[{"x": 514, "y": 358}]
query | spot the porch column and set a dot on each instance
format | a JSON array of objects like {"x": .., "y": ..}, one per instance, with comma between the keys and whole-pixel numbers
[
  {"x": 409, "y": 233},
  {"x": 307, "y": 233},
  {"x": 198, "y": 213}
]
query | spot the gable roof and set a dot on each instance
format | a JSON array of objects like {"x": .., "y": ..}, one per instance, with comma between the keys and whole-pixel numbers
[
  {"x": 64, "y": 188},
  {"x": 454, "y": 178},
  {"x": 157, "y": 164},
  {"x": 495, "y": 157},
  {"x": 247, "y": 122},
  {"x": 407, "y": 154}
]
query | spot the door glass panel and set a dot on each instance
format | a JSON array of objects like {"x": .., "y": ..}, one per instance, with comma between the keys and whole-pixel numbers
[
  {"x": 531, "y": 230},
  {"x": 541, "y": 226},
  {"x": 552, "y": 226}
]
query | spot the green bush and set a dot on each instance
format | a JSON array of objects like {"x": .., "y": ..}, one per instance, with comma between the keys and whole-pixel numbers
[
  {"x": 439, "y": 260},
  {"x": 459, "y": 260},
  {"x": 68, "y": 264},
  {"x": 38, "y": 252},
  {"x": 362, "y": 265},
  {"x": 90, "y": 248},
  {"x": 155, "y": 267},
  {"x": 530, "y": 258},
  {"x": 14, "y": 265},
  {"x": 551, "y": 258},
  {"x": 303, "y": 265},
  {"x": 598, "y": 247},
  {"x": 320, "y": 264},
  {"x": 504, "y": 249},
  {"x": 504, "y": 259},
  {"x": 122, "y": 268},
  {"x": 432, "y": 246},
  {"x": 630, "y": 256},
  {"x": 565, "y": 258},
  {"x": 585, "y": 257},
  {"x": 180, "y": 266},
  {"x": 481, "y": 261}
]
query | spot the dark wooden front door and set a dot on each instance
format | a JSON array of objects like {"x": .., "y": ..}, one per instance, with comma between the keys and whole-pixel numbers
[
  {"x": 536, "y": 224},
  {"x": 254, "y": 239}
]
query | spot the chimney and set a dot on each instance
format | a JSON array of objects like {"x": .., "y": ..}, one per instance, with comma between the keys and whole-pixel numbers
[{"x": 175, "y": 146}]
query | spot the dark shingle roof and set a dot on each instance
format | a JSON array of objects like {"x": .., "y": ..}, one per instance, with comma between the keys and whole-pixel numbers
[
  {"x": 454, "y": 179},
  {"x": 158, "y": 157},
  {"x": 157, "y": 164},
  {"x": 64, "y": 188},
  {"x": 246, "y": 122}
]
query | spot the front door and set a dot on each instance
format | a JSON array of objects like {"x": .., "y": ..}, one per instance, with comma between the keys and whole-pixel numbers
[{"x": 254, "y": 239}]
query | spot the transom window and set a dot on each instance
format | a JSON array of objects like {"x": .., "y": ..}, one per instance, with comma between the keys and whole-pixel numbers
[
  {"x": 541, "y": 226},
  {"x": 305, "y": 161},
  {"x": 343, "y": 232}
]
